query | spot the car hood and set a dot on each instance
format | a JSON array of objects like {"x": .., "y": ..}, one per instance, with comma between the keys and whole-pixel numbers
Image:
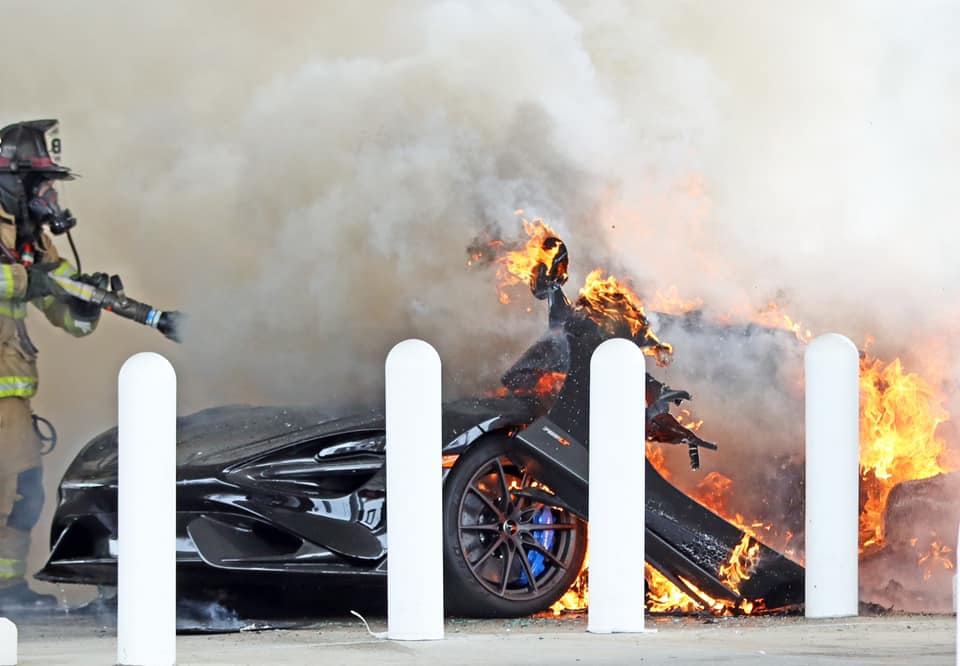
[
  {"x": 227, "y": 435},
  {"x": 221, "y": 435}
]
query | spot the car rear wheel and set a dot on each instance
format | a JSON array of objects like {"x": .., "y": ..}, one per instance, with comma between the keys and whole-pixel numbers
[{"x": 505, "y": 554}]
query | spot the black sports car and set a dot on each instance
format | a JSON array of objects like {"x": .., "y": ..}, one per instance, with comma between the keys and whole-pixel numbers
[{"x": 295, "y": 494}]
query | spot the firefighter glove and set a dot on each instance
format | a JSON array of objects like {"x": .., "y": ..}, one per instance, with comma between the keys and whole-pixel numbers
[
  {"x": 98, "y": 280},
  {"x": 82, "y": 309},
  {"x": 39, "y": 282}
]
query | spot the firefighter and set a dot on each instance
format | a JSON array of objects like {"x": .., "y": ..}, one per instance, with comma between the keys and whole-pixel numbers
[{"x": 29, "y": 209}]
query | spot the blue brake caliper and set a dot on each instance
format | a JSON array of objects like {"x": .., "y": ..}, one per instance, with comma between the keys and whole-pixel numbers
[{"x": 544, "y": 516}]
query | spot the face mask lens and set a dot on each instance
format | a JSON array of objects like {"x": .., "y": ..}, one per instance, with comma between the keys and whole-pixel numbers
[
  {"x": 41, "y": 208},
  {"x": 45, "y": 209}
]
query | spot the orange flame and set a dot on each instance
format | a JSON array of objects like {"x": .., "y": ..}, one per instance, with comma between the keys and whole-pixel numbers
[
  {"x": 770, "y": 316},
  {"x": 684, "y": 419},
  {"x": 657, "y": 458},
  {"x": 936, "y": 556},
  {"x": 742, "y": 563},
  {"x": 665, "y": 597},
  {"x": 615, "y": 307},
  {"x": 899, "y": 415},
  {"x": 713, "y": 492},
  {"x": 547, "y": 386},
  {"x": 577, "y": 598},
  {"x": 774, "y": 317},
  {"x": 670, "y": 302},
  {"x": 662, "y": 596},
  {"x": 516, "y": 267}
]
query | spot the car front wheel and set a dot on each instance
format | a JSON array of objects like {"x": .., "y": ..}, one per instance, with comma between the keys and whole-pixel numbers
[{"x": 505, "y": 554}]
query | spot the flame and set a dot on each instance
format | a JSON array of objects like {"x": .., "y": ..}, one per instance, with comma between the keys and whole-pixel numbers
[
  {"x": 661, "y": 595},
  {"x": 614, "y": 306},
  {"x": 577, "y": 598},
  {"x": 935, "y": 556},
  {"x": 483, "y": 253},
  {"x": 774, "y": 317},
  {"x": 713, "y": 492},
  {"x": 683, "y": 418},
  {"x": 742, "y": 563},
  {"x": 657, "y": 458},
  {"x": 670, "y": 302},
  {"x": 517, "y": 266},
  {"x": 769, "y": 316},
  {"x": 547, "y": 386},
  {"x": 899, "y": 415},
  {"x": 606, "y": 301},
  {"x": 665, "y": 597}
]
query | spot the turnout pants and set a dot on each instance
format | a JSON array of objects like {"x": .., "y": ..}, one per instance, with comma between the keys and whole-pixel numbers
[{"x": 21, "y": 487}]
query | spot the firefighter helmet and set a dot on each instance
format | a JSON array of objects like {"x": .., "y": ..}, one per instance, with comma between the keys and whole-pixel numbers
[{"x": 34, "y": 147}]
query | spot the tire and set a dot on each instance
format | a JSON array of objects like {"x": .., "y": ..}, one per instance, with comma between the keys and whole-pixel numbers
[{"x": 485, "y": 530}]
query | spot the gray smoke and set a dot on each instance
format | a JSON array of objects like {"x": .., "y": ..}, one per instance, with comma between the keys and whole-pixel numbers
[{"x": 304, "y": 180}]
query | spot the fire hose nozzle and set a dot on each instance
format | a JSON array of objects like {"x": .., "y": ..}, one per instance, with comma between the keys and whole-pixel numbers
[
  {"x": 169, "y": 324},
  {"x": 116, "y": 285},
  {"x": 115, "y": 301}
]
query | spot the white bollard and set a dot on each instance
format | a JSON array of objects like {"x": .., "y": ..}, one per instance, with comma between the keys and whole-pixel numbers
[
  {"x": 146, "y": 504},
  {"x": 8, "y": 642},
  {"x": 414, "y": 493},
  {"x": 617, "y": 480},
  {"x": 832, "y": 366}
]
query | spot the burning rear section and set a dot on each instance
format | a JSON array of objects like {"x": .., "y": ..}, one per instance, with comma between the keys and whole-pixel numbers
[
  {"x": 711, "y": 560},
  {"x": 708, "y": 559},
  {"x": 691, "y": 552},
  {"x": 696, "y": 556}
]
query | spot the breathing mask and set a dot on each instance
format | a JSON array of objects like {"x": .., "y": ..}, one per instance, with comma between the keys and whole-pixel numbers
[{"x": 45, "y": 209}]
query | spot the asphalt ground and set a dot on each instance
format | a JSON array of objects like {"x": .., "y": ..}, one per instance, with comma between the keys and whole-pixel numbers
[{"x": 60, "y": 638}]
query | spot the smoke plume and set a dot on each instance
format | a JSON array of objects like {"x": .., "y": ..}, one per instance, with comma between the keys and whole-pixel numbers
[{"x": 303, "y": 180}]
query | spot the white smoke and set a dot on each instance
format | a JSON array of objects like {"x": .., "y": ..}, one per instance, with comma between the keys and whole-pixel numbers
[{"x": 304, "y": 181}]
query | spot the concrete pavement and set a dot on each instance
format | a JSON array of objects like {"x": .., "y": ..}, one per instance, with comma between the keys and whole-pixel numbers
[{"x": 891, "y": 639}]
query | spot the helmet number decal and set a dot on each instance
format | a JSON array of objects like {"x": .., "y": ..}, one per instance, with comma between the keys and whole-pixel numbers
[{"x": 54, "y": 145}]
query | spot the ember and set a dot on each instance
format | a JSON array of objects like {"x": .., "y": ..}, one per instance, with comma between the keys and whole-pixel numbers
[{"x": 547, "y": 386}]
